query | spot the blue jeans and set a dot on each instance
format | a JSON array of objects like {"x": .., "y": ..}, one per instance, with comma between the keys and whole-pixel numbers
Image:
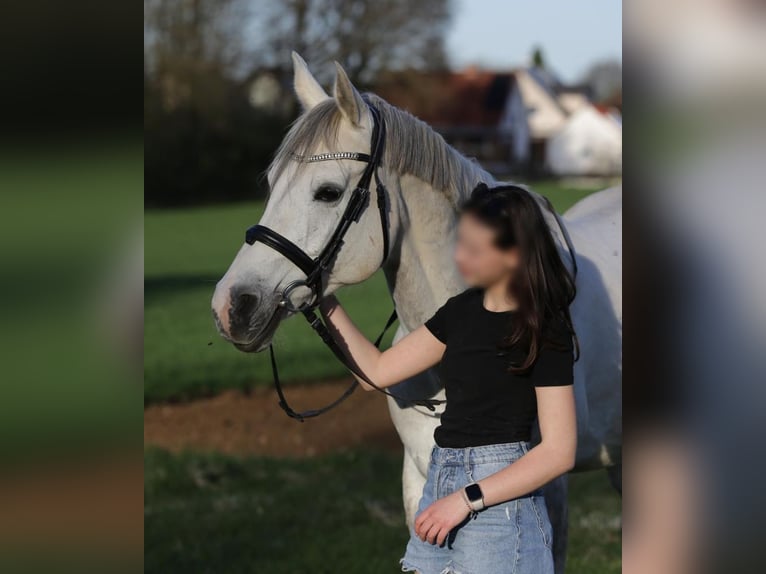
[{"x": 509, "y": 538}]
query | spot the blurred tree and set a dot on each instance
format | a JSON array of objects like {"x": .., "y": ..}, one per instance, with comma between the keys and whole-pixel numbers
[
  {"x": 204, "y": 142},
  {"x": 208, "y": 134},
  {"x": 190, "y": 47},
  {"x": 367, "y": 37},
  {"x": 538, "y": 58}
]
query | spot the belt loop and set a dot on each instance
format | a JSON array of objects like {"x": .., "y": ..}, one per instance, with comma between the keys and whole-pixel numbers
[{"x": 467, "y": 463}]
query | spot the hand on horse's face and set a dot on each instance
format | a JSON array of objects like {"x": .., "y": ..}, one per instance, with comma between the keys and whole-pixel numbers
[{"x": 435, "y": 522}]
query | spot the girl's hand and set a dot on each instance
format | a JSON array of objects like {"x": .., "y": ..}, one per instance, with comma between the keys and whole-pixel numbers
[{"x": 435, "y": 522}]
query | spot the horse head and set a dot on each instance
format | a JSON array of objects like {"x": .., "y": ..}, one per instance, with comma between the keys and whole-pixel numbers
[{"x": 305, "y": 204}]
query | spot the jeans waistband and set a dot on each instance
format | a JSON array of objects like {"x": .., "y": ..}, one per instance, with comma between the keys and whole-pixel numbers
[{"x": 507, "y": 452}]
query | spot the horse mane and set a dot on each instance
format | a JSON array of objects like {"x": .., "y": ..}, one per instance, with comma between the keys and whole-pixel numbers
[{"x": 412, "y": 148}]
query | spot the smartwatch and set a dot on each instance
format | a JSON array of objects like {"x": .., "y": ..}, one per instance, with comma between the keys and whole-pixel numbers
[{"x": 474, "y": 496}]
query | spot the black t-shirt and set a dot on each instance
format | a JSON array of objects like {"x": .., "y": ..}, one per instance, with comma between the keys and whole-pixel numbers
[{"x": 486, "y": 404}]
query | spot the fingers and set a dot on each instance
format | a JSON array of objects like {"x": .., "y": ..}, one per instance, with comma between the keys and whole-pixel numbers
[
  {"x": 425, "y": 529},
  {"x": 432, "y": 528},
  {"x": 420, "y": 522},
  {"x": 424, "y": 525},
  {"x": 442, "y": 536},
  {"x": 432, "y": 531},
  {"x": 419, "y": 519}
]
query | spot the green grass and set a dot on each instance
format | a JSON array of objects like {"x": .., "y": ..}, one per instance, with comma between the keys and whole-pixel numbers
[
  {"x": 595, "y": 525},
  {"x": 339, "y": 513},
  {"x": 561, "y": 197},
  {"x": 187, "y": 251}
]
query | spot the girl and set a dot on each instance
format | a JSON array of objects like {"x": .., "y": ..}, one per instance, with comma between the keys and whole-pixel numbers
[{"x": 505, "y": 348}]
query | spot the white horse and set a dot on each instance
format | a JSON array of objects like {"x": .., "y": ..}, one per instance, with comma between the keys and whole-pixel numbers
[{"x": 426, "y": 180}]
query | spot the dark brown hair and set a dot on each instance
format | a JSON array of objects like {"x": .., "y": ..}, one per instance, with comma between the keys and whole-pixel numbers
[{"x": 543, "y": 286}]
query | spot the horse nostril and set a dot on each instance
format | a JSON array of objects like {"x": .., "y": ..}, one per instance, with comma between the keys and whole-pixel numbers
[
  {"x": 244, "y": 306},
  {"x": 246, "y": 302}
]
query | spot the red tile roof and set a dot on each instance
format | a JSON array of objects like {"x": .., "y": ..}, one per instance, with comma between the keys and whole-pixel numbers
[{"x": 472, "y": 97}]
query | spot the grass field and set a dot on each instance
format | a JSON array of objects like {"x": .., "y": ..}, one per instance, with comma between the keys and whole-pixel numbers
[
  {"x": 210, "y": 513},
  {"x": 187, "y": 252}
]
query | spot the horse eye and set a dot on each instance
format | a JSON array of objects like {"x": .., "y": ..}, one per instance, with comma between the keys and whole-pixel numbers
[{"x": 328, "y": 193}]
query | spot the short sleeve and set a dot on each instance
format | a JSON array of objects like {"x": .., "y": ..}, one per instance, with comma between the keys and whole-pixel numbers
[
  {"x": 439, "y": 323},
  {"x": 555, "y": 363}
]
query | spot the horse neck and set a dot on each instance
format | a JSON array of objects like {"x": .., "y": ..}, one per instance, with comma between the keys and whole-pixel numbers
[
  {"x": 427, "y": 181},
  {"x": 421, "y": 272}
]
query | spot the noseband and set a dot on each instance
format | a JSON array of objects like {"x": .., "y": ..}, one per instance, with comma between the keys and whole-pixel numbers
[{"x": 315, "y": 268}]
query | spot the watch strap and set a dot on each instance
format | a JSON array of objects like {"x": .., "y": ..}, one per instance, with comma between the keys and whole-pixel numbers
[{"x": 464, "y": 496}]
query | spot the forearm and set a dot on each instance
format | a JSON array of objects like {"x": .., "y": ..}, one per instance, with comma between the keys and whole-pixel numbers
[
  {"x": 536, "y": 468},
  {"x": 412, "y": 354},
  {"x": 360, "y": 350}
]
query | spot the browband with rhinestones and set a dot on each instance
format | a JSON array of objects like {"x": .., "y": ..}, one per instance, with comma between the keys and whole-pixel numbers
[{"x": 331, "y": 156}]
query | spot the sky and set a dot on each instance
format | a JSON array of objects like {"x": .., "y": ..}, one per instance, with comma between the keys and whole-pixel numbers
[{"x": 500, "y": 34}]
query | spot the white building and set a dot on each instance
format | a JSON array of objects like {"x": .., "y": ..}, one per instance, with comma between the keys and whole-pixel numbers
[
  {"x": 589, "y": 143},
  {"x": 537, "y": 109},
  {"x": 507, "y": 120}
]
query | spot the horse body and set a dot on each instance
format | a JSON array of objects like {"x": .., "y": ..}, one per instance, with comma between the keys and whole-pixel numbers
[
  {"x": 426, "y": 181},
  {"x": 595, "y": 226}
]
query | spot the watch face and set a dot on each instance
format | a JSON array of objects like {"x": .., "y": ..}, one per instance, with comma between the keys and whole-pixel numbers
[{"x": 473, "y": 491}]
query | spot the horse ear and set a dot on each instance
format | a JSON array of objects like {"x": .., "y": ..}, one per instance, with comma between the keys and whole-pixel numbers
[
  {"x": 308, "y": 90},
  {"x": 349, "y": 100}
]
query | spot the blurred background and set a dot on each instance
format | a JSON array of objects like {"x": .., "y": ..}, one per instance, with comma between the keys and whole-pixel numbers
[
  {"x": 71, "y": 258},
  {"x": 533, "y": 91}
]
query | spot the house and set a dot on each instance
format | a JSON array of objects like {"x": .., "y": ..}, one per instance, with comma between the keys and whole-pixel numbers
[
  {"x": 537, "y": 108},
  {"x": 503, "y": 119},
  {"x": 464, "y": 107},
  {"x": 589, "y": 144}
]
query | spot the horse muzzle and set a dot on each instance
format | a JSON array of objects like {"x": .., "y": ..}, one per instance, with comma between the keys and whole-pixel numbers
[{"x": 248, "y": 320}]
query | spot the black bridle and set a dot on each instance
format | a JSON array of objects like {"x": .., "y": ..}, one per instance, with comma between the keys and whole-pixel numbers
[{"x": 315, "y": 268}]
